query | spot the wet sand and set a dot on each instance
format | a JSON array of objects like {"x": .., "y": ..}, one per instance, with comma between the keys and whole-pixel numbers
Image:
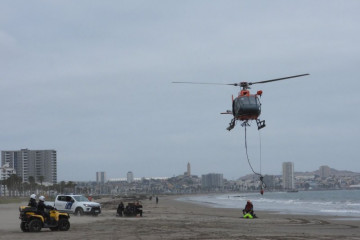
[{"x": 172, "y": 219}]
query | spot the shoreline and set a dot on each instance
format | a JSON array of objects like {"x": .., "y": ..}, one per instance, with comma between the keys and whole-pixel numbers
[
  {"x": 267, "y": 212},
  {"x": 281, "y": 204},
  {"x": 174, "y": 219}
]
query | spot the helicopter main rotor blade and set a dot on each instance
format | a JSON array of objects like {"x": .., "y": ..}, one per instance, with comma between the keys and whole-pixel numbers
[
  {"x": 278, "y": 79},
  {"x": 207, "y": 83},
  {"x": 246, "y": 84}
]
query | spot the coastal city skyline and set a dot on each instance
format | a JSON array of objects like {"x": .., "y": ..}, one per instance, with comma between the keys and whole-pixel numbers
[
  {"x": 42, "y": 164},
  {"x": 26, "y": 170},
  {"x": 94, "y": 82},
  {"x": 13, "y": 182}
]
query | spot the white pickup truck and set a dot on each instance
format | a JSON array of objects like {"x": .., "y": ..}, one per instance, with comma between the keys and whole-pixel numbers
[{"x": 77, "y": 204}]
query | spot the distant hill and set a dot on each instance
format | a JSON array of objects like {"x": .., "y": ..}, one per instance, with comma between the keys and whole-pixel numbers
[
  {"x": 333, "y": 172},
  {"x": 251, "y": 177}
]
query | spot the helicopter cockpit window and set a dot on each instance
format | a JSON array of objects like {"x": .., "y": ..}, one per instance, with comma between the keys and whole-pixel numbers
[
  {"x": 248, "y": 100},
  {"x": 244, "y": 100},
  {"x": 252, "y": 100},
  {"x": 246, "y": 106}
]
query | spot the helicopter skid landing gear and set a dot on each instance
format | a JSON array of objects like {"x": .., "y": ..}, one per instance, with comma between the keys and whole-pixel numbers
[
  {"x": 231, "y": 124},
  {"x": 260, "y": 124}
]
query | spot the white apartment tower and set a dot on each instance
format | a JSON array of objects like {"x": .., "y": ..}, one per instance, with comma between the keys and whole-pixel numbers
[
  {"x": 100, "y": 177},
  {"x": 5, "y": 173},
  {"x": 324, "y": 172},
  {"x": 35, "y": 163},
  {"x": 130, "y": 177},
  {"x": 212, "y": 180},
  {"x": 288, "y": 175}
]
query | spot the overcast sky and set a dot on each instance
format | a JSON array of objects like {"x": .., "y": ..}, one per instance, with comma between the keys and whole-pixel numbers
[{"x": 92, "y": 80}]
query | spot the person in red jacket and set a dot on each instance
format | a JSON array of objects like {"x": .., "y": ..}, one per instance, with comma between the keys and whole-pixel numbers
[{"x": 249, "y": 208}]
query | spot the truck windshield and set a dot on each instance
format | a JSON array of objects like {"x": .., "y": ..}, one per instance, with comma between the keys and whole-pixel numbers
[{"x": 81, "y": 198}]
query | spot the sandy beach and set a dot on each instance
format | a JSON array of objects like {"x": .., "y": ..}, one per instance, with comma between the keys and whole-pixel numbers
[{"x": 172, "y": 219}]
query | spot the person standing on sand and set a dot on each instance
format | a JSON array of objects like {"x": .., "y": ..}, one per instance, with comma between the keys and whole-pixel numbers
[
  {"x": 120, "y": 209},
  {"x": 157, "y": 200}
]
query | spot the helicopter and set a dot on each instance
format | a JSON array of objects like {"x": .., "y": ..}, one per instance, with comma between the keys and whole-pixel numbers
[{"x": 246, "y": 106}]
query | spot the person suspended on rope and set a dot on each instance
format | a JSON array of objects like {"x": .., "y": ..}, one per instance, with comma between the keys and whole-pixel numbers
[{"x": 262, "y": 185}]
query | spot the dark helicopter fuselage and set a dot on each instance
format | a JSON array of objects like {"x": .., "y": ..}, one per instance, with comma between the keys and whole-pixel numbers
[{"x": 246, "y": 106}]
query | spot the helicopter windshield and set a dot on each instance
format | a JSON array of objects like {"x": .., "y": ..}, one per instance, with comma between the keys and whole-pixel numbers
[
  {"x": 246, "y": 106},
  {"x": 248, "y": 100},
  {"x": 252, "y": 100}
]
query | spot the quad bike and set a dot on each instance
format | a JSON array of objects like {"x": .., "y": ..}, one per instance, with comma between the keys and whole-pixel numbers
[
  {"x": 132, "y": 210},
  {"x": 31, "y": 221}
]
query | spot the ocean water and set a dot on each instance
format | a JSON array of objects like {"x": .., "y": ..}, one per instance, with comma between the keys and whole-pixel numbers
[{"x": 344, "y": 203}]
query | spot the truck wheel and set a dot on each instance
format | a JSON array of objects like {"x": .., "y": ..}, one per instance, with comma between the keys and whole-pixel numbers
[
  {"x": 79, "y": 212},
  {"x": 35, "y": 225},
  {"x": 63, "y": 224},
  {"x": 24, "y": 227}
]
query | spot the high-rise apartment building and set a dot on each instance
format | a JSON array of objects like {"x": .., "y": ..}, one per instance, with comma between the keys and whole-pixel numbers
[
  {"x": 100, "y": 177},
  {"x": 130, "y": 177},
  {"x": 5, "y": 173},
  {"x": 212, "y": 180},
  {"x": 288, "y": 175},
  {"x": 324, "y": 172},
  {"x": 40, "y": 164}
]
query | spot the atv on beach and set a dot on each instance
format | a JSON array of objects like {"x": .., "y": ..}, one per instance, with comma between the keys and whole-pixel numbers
[
  {"x": 31, "y": 221},
  {"x": 133, "y": 210}
]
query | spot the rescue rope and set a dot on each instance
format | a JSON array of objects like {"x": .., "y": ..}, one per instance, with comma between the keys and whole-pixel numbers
[
  {"x": 247, "y": 155},
  {"x": 260, "y": 150},
  {"x": 262, "y": 186}
]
